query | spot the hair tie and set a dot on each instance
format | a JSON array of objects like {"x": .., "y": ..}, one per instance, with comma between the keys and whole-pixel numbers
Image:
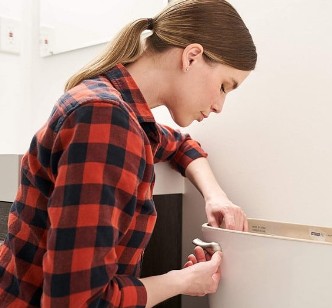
[{"x": 150, "y": 23}]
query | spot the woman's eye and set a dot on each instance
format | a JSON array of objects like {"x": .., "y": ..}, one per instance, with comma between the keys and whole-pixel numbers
[{"x": 222, "y": 89}]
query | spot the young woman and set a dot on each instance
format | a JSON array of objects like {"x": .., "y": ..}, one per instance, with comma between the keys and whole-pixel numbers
[{"x": 84, "y": 212}]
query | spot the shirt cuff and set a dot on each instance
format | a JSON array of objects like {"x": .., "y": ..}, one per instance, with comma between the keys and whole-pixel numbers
[
  {"x": 133, "y": 292},
  {"x": 192, "y": 151}
]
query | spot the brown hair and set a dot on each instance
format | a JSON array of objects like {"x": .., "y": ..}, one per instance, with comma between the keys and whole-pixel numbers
[{"x": 214, "y": 24}]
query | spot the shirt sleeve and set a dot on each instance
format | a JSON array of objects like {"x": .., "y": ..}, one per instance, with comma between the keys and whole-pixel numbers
[
  {"x": 91, "y": 207},
  {"x": 177, "y": 148}
]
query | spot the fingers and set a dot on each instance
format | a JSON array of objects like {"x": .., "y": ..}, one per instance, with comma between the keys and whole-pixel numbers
[
  {"x": 217, "y": 258},
  {"x": 215, "y": 270},
  {"x": 217, "y": 276},
  {"x": 213, "y": 222},
  {"x": 235, "y": 220},
  {"x": 227, "y": 215},
  {"x": 200, "y": 254},
  {"x": 246, "y": 225},
  {"x": 203, "y": 277},
  {"x": 192, "y": 259},
  {"x": 187, "y": 264}
]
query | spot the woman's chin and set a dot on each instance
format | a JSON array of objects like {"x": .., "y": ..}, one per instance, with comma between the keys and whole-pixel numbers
[{"x": 183, "y": 123}]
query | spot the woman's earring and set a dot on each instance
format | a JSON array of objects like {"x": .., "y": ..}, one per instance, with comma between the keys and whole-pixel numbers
[{"x": 187, "y": 68}]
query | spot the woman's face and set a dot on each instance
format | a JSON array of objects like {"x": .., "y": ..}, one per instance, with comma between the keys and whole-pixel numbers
[{"x": 202, "y": 89}]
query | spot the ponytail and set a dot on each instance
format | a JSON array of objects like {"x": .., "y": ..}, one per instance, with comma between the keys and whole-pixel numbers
[{"x": 125, "y": 48}]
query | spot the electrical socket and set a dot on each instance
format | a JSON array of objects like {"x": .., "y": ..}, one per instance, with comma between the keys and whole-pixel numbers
[
  {"x": 46, "y": 41},
  {"x": 10, "y": 35}
]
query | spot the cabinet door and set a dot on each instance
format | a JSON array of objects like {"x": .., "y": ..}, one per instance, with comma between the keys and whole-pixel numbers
[
  {"x": 4, "y": 211},
  {"x": 163, "y": 252}
]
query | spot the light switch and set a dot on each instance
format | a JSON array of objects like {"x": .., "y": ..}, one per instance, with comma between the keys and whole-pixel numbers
[
  {"x": 46, "y": 41},
  {"x": 10, "y": 35}
]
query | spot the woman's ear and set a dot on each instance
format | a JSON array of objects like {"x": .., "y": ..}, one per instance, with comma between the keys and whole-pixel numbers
[{"x": 190, "y": 55}]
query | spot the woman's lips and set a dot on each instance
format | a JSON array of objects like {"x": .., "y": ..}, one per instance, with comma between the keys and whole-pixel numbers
[{"x": 202, "y": 117}]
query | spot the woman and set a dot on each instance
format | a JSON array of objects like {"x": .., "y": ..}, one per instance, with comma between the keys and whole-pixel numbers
[{"x": 84, "y": 212}]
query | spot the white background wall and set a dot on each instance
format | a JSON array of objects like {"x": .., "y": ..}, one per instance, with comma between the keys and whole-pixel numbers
[
  {"x": 270, "y": 148},
  {"x": 15, "y": 75},
  {"x": 29, "y": 84},
  {"x": 74, "y": 28}
]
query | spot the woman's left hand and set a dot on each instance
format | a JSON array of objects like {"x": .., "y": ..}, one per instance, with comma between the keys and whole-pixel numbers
[{"x": 222, "y": 212}]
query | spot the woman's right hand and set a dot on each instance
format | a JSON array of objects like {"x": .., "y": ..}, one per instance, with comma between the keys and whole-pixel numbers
[{"x": 201, "y": 274}]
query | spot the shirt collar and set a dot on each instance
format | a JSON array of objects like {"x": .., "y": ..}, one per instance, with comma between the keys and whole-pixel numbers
[{"x": 131, "y": 94}]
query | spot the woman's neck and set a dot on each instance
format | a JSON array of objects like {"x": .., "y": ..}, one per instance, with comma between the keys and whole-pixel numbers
[{"x": 151, "y": 74}]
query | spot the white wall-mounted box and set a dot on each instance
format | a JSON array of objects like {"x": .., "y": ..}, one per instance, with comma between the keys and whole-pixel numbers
[{"x": 10, "y": 35}]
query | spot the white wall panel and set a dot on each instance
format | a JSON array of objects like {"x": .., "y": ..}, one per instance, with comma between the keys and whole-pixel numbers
[{"x": 271, "y": 147}]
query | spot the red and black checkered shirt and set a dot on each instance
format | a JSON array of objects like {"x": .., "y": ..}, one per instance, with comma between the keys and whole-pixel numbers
[{"x": 84, "y": 213}]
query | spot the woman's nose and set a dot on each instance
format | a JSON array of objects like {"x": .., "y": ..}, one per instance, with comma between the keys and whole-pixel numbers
[{"x": 217, "y": 107}]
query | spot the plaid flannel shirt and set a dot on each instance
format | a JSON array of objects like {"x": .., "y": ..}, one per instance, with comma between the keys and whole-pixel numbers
[{"x": 84, "y": 213}]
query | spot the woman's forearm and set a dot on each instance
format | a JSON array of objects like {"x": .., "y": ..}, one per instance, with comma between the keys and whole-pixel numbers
[
  {"x": 162, "y": 287},
  {"x": 220, "y": 211},
  {"x": 201, "y": 176}
]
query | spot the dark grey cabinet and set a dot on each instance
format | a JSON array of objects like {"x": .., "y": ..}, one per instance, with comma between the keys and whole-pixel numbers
[
  {"x": 163, "y": 252},
  {"x": 4, "y": 211}
]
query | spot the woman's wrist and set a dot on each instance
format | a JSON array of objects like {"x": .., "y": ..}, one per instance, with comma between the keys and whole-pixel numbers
[
  {"x": 178, "y": 278},
  {"x": 216, "y": 196},
  {"x": 162, "y": 287}
]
